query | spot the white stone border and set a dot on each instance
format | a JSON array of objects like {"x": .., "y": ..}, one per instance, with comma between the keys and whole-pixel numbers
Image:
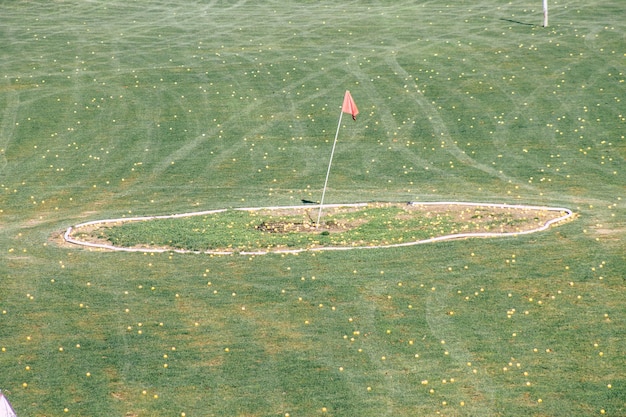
[{"x": 69, "y": 239}]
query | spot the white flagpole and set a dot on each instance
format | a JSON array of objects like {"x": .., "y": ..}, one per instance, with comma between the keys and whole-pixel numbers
[
  {"x": 319, "y": 214},
  {"x": 545, "y": 13}
]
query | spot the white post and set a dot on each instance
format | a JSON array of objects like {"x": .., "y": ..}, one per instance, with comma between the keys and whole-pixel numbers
[
  {"x": 319, "y": 214},
  {"x": 545, "y": 13}
]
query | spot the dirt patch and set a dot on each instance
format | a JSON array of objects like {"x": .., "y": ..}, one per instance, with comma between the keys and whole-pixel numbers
[
  {"x": 511, "y": 219},
  {"x": 304, "y": 219}
]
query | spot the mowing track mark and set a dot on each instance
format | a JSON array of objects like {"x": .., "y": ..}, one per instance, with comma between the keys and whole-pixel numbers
[
  {"x": 8, "y": 122},
  {"x": 439, "y": 127}
]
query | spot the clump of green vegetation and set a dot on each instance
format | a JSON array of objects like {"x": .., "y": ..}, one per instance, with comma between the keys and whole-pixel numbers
[{"x": 266, "y": 229}]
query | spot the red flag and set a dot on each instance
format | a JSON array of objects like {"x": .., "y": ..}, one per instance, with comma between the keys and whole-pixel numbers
[{"x": 349, "y": 106}]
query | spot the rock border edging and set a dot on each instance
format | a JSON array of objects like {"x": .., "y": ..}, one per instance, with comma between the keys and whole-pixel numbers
[{"x": 69, "y": 239}]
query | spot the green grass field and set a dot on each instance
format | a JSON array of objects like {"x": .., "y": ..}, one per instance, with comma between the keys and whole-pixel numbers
[{"x": 111, "y": 109}]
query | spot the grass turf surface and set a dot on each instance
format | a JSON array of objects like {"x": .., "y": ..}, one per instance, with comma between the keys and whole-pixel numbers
[{"x": 145, "y": 108}]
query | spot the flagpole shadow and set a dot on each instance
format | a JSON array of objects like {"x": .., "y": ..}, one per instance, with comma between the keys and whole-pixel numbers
[{"x": 518, "y": 22}]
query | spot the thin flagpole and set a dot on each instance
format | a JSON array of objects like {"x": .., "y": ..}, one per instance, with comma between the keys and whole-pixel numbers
[{"x": 319, "y": 214}]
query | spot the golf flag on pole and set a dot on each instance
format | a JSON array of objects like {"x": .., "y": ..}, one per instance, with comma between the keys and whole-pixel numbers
[{"x": 349, "y": 106}]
